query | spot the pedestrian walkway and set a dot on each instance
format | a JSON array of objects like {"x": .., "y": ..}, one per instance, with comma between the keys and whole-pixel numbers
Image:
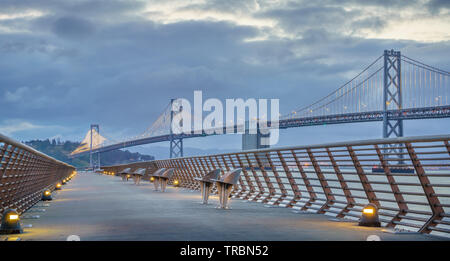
[{"x": 101, "y": 207}]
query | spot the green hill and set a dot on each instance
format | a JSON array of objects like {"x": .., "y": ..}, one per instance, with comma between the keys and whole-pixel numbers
[{"x": 61, "y": 150}]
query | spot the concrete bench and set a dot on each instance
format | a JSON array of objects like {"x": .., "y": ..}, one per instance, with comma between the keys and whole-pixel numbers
[
  {"x": 137, "y": 175},
  {"x": 224, "y": 186},
  {"x": 164, "y": 178},
  {"x": 155, "y": 175},
  {"x": 125, "y": 174},
  {"x": 206, "y": 184}
]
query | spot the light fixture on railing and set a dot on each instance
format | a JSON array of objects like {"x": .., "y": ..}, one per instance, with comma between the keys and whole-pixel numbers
[
  {"x": 47, "y": 195},
  {"x": 176, "y": 183},
  {"x": 58, "y": 186},
  {"x": 369, "y": 217},
  {"x": 152, "y": 179},
  {"x": 10, "y": 222}
]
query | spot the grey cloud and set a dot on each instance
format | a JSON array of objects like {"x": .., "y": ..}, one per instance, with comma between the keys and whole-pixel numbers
[
  {"x": 73, "y": 27},
  {"x": 374, "y": 23},
  {"x": 227, "y": 6},
  {"x": 377, "y": 3},
  {"x": 12, "y": 47},
  {"x": 437, "y": 5},
  {"x": 296, "y": 19},
  {"x": 83, "y": 7}
]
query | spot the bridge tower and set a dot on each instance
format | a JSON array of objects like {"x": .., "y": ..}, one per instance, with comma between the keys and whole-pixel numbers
[
  {"x": 392, "y": 97},
  {"x": 253, "y": 141},
  {"x": 93, "y": 162},
  {"x": 176, "y": 144}
]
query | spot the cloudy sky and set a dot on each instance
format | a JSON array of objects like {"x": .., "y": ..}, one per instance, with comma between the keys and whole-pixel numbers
[{"x": 67, "y": 64}]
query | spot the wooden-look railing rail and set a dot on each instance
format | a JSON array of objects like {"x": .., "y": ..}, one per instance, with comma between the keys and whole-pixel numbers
[{"x": 25, "y": 173}]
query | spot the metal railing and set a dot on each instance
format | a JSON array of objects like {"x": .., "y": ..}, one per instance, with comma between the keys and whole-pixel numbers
[
  {"x": 410, "y": 186},
  {"x": 25, "y": 173}
]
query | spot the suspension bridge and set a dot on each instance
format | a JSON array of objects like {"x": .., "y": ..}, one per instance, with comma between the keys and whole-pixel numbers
[{"x": 393, "y": 88}]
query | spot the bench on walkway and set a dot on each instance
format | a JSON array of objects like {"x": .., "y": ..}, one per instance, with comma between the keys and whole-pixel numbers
[
  {"x": 206, "y": 184},
  {"x": 125, "y": 174},
  {"x": 224, "y": 186},
  {"x": 164, "y": 178},
  {"x": 155, "y": 176},
  {"x": 137, "y": 175}
]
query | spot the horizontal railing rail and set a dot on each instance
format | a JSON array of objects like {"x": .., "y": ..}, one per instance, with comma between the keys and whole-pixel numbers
[
  {"x": 25, "y": 173},
  {"x": 410, "y": 186}
]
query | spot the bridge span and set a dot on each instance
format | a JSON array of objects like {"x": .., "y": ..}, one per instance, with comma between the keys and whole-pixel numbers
[
  {"x": 392, "y": 89},
  {"x": 405, "y": 114}
]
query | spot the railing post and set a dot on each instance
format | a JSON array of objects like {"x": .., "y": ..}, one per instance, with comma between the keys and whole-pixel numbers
[
  {"x": 433, "y": 201},
  {"x": 277, "y": 178},
  {"x": 213, "y": 168},
  {"x": 218, "y": 163},
  {"x": 205, "y": 169},
  {"x": 323, "y": 183},
  {"x": 243, "y": 186},
  {"x": 247, "y": 178},
  {"x": 262, "y": 167},
  {"x": 290, "y": 177},
  {"x": 6, "y": 175},
  {"x": 371, "y": 197},
  {"x": 22, "y": 188},
  {"x": 16, "y": 177},
  {"x": 227, "y": 168},
  {"x": 191, "y": 176},
  {"x": 258, "y": 182},
  {"x": 212, "y": 163},
  {"x": 197, "y": 171},
  {"x": 403, "y": 207},
  {"x": 312, "y": 194},
  {"x": 176, "y": 172},
  {"x": 347, "y": 193},
  {"x": 185, "y": 181}
]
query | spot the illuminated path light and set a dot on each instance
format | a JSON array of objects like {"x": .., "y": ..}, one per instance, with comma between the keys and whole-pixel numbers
[
  {"x": 369, "y": 216},
  {"x": 47, "y": 195},
  {"x": 10, "y": 222},
  {"x": 102, "y": 207}
]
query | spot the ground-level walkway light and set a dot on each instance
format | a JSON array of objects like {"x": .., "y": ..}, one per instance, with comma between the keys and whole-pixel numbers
[{"x": 10, "y": 222}]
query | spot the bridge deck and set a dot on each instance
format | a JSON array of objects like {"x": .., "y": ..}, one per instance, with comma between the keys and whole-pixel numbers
[{"x": 97, "y": 207}]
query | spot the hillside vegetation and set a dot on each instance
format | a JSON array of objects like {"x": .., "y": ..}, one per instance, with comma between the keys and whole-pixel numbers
[{"x": 61, "y": 150}]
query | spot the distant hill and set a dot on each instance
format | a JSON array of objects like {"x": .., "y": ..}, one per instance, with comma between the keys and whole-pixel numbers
[{"x": 61, "y": 150}]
